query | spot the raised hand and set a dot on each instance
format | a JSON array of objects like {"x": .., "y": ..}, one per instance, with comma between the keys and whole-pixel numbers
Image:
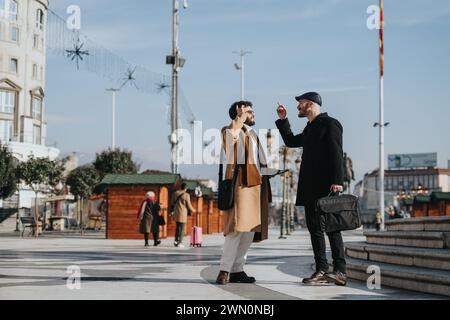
[{"x": 282, "y": 112}]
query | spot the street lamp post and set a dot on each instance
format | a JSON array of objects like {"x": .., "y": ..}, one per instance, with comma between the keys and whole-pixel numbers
[
  {"x": 241, "y": 68},
  {"x": 177, "y": 63},
  {"x": 283, "y": 151},
  {"x": 113, "y": 133},
  {"x": 381, "y": 123},
  {"x": 269, "y": 138},
  {"x": 288, "y": 204},
  {"x": 291, "y": 203},
  {"x": 18, "y": 209},
  {"x": 298, "y": 163},
  {"x": 381, "y": 173}
]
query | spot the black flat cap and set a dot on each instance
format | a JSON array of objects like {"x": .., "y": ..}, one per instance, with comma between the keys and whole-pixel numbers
[{"x": 311, "y": 96}]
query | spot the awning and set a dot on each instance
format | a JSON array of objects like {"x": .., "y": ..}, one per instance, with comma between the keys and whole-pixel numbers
[
  {"x": 441, "y": 196},
  {"x": 65, "y": 197}
]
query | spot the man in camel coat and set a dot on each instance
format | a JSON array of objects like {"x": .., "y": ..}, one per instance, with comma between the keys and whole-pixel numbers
[{"x": 247, "y": 221}]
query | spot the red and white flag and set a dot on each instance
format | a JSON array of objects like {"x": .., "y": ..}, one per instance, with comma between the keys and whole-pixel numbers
[{"x": 381, "y": 39}]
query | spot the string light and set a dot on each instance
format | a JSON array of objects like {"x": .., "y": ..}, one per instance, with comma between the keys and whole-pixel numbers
[{"x": 91, "y": 57}]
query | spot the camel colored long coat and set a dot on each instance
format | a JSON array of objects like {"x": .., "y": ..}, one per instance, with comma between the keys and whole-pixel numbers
[{"x": 251, "y": 206}]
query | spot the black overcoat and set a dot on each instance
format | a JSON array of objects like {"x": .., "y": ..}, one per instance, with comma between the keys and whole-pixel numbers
[
  {"x": 322, "y": 159},
  {"x": 150, "y": 220}
]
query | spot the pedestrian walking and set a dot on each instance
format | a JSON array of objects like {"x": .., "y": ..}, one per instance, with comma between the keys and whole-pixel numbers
[
  {"x": 181, "y": 207},
  {"x": 378, "y": 220},
  {"x": 149, "y": 218}
]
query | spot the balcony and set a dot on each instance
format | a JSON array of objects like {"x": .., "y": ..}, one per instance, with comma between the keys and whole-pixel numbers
[{"x": 22, "y": 147}]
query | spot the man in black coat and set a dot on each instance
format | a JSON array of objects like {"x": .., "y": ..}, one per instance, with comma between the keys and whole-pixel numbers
[{"x": 321, "y": 173}]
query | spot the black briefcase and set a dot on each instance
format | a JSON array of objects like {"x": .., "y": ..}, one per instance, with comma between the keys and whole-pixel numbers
[{"x": 339, "y": 213}]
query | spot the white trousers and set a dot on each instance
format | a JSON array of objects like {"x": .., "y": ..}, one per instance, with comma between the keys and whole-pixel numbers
[{"x": 235, "y": 250}]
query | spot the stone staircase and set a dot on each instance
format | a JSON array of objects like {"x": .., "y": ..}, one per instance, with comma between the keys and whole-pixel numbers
[{"x": 413, "y": 254}]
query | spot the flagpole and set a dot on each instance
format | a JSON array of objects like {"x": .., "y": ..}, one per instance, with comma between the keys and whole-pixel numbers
[{"x": 382, "y": 123}]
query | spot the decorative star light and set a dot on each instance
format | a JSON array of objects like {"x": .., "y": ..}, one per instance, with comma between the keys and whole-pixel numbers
[
  {"x": 162, "y": 86},
  {"x": 77, "y": 53},
  {"x": 130, "y": 78}
]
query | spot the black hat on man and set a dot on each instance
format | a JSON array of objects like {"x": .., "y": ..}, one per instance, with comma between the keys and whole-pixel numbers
[{"x": 311, "y": 96}]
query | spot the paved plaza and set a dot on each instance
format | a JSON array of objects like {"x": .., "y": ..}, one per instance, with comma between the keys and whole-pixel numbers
[{"x": 37, "y": 269}]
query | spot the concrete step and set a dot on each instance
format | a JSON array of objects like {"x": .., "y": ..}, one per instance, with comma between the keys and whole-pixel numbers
[
  {"x": 409, "y": 278},
  {"x": 419, "y": 224},
  {"x": 406, "y": 256},
  {"x": 420, "y": 239}
]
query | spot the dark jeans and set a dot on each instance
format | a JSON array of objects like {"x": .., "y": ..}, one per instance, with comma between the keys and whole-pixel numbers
[
  {"x": 318, "y": 243},
  {"x": 179, "y": 233}
]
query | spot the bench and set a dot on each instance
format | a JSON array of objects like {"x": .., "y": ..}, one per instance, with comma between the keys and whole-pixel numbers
[
  {"x": 30, "y": 223},
  {"x": 67, "y": 223},
  {"x": 72, "y": 224}
]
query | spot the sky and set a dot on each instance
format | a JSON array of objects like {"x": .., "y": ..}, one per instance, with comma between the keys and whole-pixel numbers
[{"x": 297, "y": 46}]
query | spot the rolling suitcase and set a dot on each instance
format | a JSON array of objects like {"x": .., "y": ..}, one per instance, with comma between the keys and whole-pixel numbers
[{"x": 196, "y": 237}]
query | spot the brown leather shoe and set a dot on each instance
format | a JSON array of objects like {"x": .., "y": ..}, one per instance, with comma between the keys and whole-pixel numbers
[{"x": 222, "y": 278}]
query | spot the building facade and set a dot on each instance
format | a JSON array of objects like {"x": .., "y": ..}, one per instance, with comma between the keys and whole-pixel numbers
[
  {"x": 22, "y": 78},
  {"x": 399, "y": 185}
]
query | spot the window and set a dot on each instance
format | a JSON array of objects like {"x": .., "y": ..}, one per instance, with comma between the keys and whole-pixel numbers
[
  {"x": 13, "y": 9},
  {"x": 395, "y": 183},
  {"x": 6, "y": 130},
  {"x": 36, "y": 108},
  {"x": 36, "y": 41},
  {"x": 410, "y": 182},
  {"x": 40, "y": 19},
  {"x": 14, "y": 34},
  {"x": 14, "y": 66},
  {"x": 8, "y": 9},
  {"x": 427, "y": 181},
  {"x": 432, "y": 181},
  {"x": 35, "y": 71},
  {"x": 400, "y": 182},
  {"x": 36, "y": 135},
  {"x": 7, "y": 101}
]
